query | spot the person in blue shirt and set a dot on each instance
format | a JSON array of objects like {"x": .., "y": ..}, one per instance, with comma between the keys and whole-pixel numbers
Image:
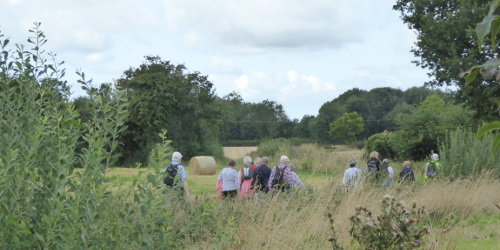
[
  {"x": 406, "y": 175},
  {"x": 181, "y": 173}
]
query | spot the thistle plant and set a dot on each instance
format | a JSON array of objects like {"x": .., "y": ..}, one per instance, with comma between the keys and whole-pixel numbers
[{"x": 397, "y": 226}]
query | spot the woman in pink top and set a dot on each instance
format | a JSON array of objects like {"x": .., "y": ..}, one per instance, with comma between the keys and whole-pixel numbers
[{"x": 246, "y": 173}]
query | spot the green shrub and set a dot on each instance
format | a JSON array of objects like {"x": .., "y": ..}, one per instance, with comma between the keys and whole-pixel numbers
[
  {"x": 274, "y": 146},
  {"x": 396, "y": 227},
  {"x": 380, "y": 143},
  {"x": 462, "y": 154}
]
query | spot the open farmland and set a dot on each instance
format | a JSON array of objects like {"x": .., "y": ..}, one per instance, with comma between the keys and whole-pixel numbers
[{"x": 238, "y": 152}]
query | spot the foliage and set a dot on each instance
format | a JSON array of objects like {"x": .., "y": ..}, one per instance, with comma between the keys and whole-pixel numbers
[
  {"x": 301, "y": 129},
  {"x": 445, "y": 43},
  {"x": 378, "y": 107},
  {"x": 463, "y": 155},
  {"x": 489, "y": 25},
  {"x": 396, "y": 227},
  {"x": 347, "y": 127},
  {"x": 274, "y": 146},
  {"x": 46, "y": 203},
  {"x": 419, "y": 133},
  {"x": 164, "y": 96},
  {"x": 252, "y": 121},
  {"x": 380, "y": 143}
]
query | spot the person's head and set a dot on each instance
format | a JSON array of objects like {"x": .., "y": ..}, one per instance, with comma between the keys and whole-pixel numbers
[
  {"x": 385, "y": 162},
  {"x": 247, "y": 160},
  {"x": 257, "y": 161},
  {"x": 352, "y": 163},
  {"x": 176, "y": 156},
  {"x": 435, "y": 157},
  {"x": 284, "y": 159},
  {"x": 265, "y": 160},
  {"x": 291, "y": 167},
  {"x": 232, "y": 164},
  {"x": 374, "y": 154},
  {"x": 407, "y": 164}
]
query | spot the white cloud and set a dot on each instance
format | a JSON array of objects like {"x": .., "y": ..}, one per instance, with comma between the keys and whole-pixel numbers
[{"x": 298, "y": 53}]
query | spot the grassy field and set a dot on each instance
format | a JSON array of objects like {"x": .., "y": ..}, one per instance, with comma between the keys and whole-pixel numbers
[{"x": 462, "y": 214}]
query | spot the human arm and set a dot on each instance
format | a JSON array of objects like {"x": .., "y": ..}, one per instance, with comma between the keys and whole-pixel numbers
[{"x": 297, "y": 181}]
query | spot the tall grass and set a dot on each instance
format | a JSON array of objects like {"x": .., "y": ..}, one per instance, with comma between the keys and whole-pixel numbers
[
  {"x": 464, "y": 155},
  {"x": 299, "y": 221}
]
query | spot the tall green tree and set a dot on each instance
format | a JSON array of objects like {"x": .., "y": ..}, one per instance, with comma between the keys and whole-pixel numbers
[
  {"x": 163, "y": 96},
  {"x": 420, "y": 132},
  {"x": 446, "y": 45},
  {"x": 347, "y": 127}
]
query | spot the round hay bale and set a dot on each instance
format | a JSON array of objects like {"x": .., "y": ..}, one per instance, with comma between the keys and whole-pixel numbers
[{"x": 202, "y": 165}]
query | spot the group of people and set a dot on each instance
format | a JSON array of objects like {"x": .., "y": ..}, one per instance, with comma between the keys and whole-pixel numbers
[
  {"x": 255, "y": 179},
  {"x": 382, "y": 173}
]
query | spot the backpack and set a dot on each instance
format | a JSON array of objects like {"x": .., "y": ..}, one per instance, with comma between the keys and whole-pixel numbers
[
  {"x": 247, "y": 172},
  {"x": 279, "y": 178},
  {"x": 431, "y": 169},
  {"x": 372, "y": 165},
  {"x": 171, "y": 172}
]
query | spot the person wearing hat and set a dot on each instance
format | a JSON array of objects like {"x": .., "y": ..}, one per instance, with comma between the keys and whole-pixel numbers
[
  {"x": 388, "y": 171},
  {"x": 176, "y": 161},
  {"x": 352, "y": 176},
  {"x": 432, "y": 167}
]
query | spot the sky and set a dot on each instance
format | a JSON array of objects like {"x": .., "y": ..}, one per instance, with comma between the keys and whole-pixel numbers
[{"x": 297, "y": 53}]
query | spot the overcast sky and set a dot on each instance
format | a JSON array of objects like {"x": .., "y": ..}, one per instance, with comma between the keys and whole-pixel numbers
[{"x": 298, "y": 53}]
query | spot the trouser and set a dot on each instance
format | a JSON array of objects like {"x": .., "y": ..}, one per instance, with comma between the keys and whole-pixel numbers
[{"x": 229, "y": 194}]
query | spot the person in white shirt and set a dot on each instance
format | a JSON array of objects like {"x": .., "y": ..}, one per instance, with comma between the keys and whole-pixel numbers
[
  {"x": 230, "y": 181},
  {"x": 388, "y": 171},
  {"x": 352, "y": 176}
]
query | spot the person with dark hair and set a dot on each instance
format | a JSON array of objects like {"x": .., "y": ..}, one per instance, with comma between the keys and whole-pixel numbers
[
  {"x": 230, "y": 181},
  {"x": 352, "y": 175},
  {"x": 260, "y": 179},
  {"x": 388, "y": 172}
]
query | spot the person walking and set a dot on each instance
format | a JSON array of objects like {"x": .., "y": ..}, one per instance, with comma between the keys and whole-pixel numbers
[
  {"x": 230, "y": 181},
  {"x": 373, "y": 166},
  {"x": 176, "y": 169},
  {"x": 260, "y": 179},
  {"x": 406, "y": 175},
  {"x": 280, "y": 178},
  {"x": 246, "y": 173},
  {"x": 352, "y": 176},
  {"x": 433, "y": 167},
  {"x": 388, "y": 172},
  {"x": 295, "y": 177}
]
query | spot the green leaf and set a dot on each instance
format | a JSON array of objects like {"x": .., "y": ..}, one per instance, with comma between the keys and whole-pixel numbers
[
  {"x": 483, "y": 29},
  {"x": 486, "y": 128},
  {"x": 470, "y": 78},
  {"x": 496, "y": 145}
]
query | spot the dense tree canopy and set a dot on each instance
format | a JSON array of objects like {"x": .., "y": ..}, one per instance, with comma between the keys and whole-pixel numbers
[
  {"x": 164, "y": 96},
  {"x": 446, "y": 45}
]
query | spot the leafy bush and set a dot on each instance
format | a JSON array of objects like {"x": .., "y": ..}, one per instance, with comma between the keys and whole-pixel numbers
[
  {"x": 46, "y": 203},
  {"x": 462, "y": 154},
  {"x": 396, "y": 227},
  {"x": 380, "y": 143},
  {"x": 275, "y": 146}
]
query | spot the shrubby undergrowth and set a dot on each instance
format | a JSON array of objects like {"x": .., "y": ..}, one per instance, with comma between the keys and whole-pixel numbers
[{"x": 45, "y": 201}]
